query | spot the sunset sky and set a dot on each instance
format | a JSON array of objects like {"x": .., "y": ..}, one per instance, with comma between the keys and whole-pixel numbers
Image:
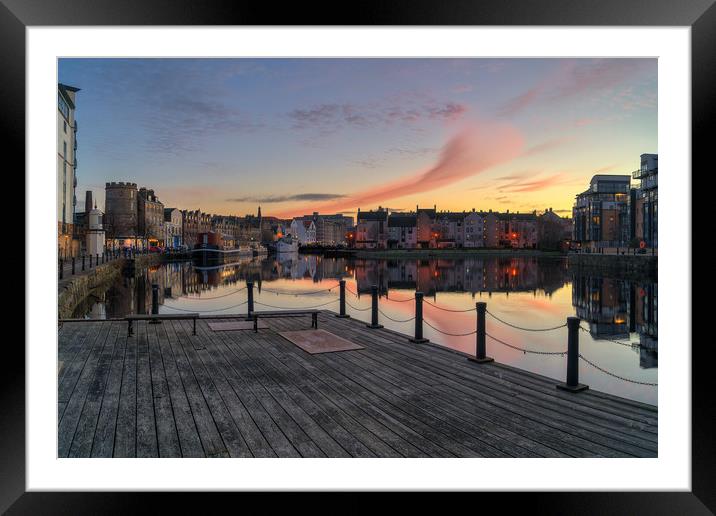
[{"x": 332, "y": 135}]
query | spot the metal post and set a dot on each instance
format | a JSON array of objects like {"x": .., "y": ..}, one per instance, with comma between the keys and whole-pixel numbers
[
  {"x": 83, "y": 262},
  {"x": 73, "y": 265},
  {"x": 374, "y": 308},
  {"x": 62, "y": 268},
  {"x": 480, "y": 347},
  {"x": 342, "y": 296},
  {"x": 572, "y": 384},
  {"x": 96, "y": 262},
  {"x": 155, "y": 303},
  {"x": 418, "y": 319},
  {"x": 250, "y": 290},
  {"x": 90, "y": 261}
]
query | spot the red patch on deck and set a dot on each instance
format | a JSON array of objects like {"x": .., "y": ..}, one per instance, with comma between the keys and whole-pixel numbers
[
  {"x": 318, "y": 341},
  {"x": 236, "y": 325}
]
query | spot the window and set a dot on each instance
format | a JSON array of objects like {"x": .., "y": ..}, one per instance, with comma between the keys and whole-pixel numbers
[
  {"x": 64, "y": 126},
  {"x": 63, "y": 107},
  {"x": 64, "y": 150}
]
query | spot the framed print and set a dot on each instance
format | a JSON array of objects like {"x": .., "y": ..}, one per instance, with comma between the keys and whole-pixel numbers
[{"x": 422, "y": 239}]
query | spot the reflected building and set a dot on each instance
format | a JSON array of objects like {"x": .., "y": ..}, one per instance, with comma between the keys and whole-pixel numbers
[{"x": 615, "y": 308}]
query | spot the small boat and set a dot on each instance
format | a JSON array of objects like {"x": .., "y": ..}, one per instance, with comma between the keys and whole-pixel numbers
[
  {"x": 212, "y": 249},
  {"x": 287, "y": 244}
]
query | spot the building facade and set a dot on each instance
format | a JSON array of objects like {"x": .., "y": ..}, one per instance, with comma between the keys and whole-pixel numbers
[
  {"x": 120, "y": 217},
  {"x": 66, "y": 169},
  {"x": 372, "y": 229},
  {"x": 601, "y": 213},
  {"x": 644, "y": 201},
  {"x": 150, "y": 217},
  {"x": 172, "y": 228},
  {"x": 474, "y": 229},
  {"x": 194, "y": 222},
  {"x": 402, "y": 231}
]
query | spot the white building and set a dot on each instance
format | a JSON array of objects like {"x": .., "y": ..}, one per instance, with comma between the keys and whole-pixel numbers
[
  {"x": 95, "y": 233},
  {"x": 474, "y": 230},
  {"x": 304, "y": 231},
  {"x": 172, "y": 227},
  {"x": 66, "y": 169}
]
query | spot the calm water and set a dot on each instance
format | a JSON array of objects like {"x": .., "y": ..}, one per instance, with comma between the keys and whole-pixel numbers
[{"x": 527, "y": 292}]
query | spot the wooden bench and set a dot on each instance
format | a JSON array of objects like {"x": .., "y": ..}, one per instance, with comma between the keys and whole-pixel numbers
[
  {"x": 159, "y": 317},
  {"x": 285, "y": 313}
]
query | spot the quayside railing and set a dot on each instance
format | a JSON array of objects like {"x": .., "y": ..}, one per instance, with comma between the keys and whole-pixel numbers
[{"x": 573, "y": 324}]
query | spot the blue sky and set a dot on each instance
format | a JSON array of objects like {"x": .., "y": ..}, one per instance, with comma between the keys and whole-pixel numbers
[{"x": 294, "y": 135}]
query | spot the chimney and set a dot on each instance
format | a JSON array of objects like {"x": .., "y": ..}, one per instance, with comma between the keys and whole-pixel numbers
[{"x": 88, "y": 201}]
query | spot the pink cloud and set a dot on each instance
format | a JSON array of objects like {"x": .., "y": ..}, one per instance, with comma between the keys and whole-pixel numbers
[{"x": 471, "y": 151}]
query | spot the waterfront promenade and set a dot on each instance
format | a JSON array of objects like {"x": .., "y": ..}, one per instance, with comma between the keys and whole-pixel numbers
[{"x": 165, "y": 392}]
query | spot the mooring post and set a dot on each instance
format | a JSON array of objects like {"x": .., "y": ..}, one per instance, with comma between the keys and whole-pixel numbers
[
  {"x": 250, "y": 290},
  {"x": 155, "y": 303},
  {"x": 73, "y": 265},
  {"x": 96, "y": 262},
  {"x": 418, "y": 338},
  {"x": 83, "y": 262},
  {"x": 62, "y": 268},
  {"x": 374, "y": 308},
  {"x": 572, "y": 384},
  {"x": 90, "y": 266},
  {"x": 342, "y": 296},
  {"x": 480, "y": 331}
]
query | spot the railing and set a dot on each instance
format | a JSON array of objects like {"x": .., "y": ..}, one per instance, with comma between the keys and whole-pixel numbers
[
  {"x": 572, "y": 324},
  {"x": 69, "y": 266}
]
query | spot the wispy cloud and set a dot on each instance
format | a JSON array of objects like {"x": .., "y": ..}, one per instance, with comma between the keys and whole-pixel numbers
[
  {"x": 473, "y": 150},
  {"x": 547, "y": 145},
  {"x": 288, "y": 198},
  {"x": 330, "y": 117},
  {"x": 579, "y": 77}
]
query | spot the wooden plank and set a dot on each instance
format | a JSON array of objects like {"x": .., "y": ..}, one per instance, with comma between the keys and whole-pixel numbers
[
  {"x": 423, "y": 423},
  {"x": 513, "y": 401},
  {"x": 257, "y": 443},
  {"x": 513, "y": 379},
  {"x": 125, "y": 435},
  {"x": 330, "y": 420},
  {"x": 269, "y": 429},
  {"x": 211, "y": 440},
  {"x": 291, "y": 429},
  {"x": 187, "y": 432},
  {"x": 315, "y": 387},
  {"x": 167, "y": 436},
  {"x": 88, "y": 338},
  {"x": 193, "y": 345},
  {"x": 76, "y": 394},
  {"x": 406, "y": 438},
  {"x": 84, "y": 434},
  {"x": 147, "y": 445},
  {"x": 104, "y": 436}
]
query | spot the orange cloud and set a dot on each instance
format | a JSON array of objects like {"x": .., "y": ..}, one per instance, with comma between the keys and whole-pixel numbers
[{"x": 473, "y": 150}]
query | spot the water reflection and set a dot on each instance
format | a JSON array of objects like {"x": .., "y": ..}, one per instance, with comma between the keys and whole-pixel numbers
[{"x": 619, "y": 316}]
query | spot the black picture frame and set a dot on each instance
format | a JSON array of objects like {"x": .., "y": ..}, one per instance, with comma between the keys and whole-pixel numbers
[{"x": 700, "y": 15}]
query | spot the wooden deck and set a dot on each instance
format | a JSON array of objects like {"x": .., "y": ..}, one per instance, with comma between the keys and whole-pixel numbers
[{"x": 167, "y": 393}]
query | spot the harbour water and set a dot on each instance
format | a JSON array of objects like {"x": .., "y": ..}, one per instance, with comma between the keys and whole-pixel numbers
[{"x": 619, "y": 317}]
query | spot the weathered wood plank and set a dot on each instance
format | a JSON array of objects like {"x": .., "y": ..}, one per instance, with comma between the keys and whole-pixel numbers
[
  {"x": 147, "y": 445},
  {"x": 291, "y": 429},
  {"x": 187, "y": 432},
  {"x": 84, "y": 435},
  {"x": 166, "y": 392},
  {"x": 193, "y": 346},
  {"x": 167, "y": 436},
  {"x": 125, "y": 434},
  {"x": 211, "y": 440},
  {"x": 104, "y": 436}
]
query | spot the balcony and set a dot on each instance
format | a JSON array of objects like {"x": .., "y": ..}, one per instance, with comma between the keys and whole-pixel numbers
[{"x": 644, "y": 172}]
